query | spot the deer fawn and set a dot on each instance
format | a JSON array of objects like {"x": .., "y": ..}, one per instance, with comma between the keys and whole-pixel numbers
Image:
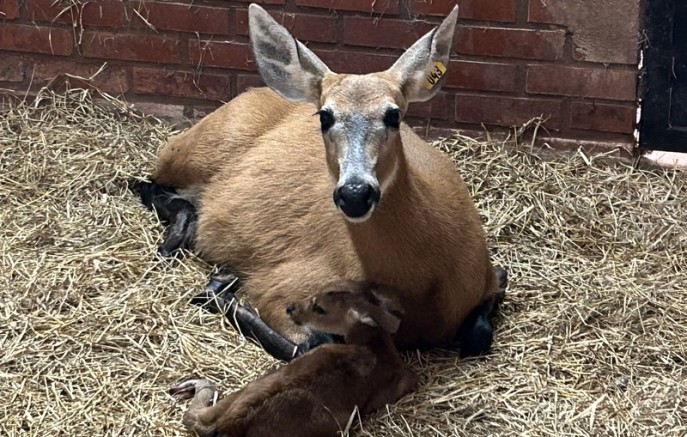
[
  {"x": 251, "y": 185},
  {"x": 315, "y": 394}
]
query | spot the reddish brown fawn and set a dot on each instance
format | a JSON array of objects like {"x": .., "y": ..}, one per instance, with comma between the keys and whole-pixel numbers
[
  {"x": 251, "y": 186},
  {"x": 315, "y": 394}
]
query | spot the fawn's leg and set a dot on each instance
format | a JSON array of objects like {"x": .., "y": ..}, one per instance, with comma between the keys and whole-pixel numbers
[
  {"x": 406, "y": 383},
  {"x": 198, "y": 418},
  {"x": 296, "y": 412}
]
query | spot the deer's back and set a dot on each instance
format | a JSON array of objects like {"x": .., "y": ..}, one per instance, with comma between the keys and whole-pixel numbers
[{"x": 222, "y": 137}]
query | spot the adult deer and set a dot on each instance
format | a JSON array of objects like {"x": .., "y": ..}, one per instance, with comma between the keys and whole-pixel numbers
[{"x": 260, "y": 171}]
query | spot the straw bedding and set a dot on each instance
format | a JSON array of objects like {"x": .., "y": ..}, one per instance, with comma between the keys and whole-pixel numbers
[{"x": 94, "y": 328}]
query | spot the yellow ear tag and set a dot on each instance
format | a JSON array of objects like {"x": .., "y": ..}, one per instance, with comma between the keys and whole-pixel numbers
[{"x": 435, "y": 74}]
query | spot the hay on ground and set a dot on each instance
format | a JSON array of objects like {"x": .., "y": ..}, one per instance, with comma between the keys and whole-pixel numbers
[{"x": 94, "y": 328}]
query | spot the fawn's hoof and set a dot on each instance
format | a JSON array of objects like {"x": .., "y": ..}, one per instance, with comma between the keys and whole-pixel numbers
[{"x": 188, "y": 389}]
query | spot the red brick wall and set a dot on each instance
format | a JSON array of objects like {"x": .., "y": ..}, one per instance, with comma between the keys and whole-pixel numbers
[{"x": 514, "y": 59}]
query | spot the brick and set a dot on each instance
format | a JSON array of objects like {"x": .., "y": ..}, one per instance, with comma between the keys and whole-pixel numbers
[
  {"x": 131, "y": 47},
  {"x": 623, "y": 149},
  {"x": 12, "y": 68},
  {"x": 266, "y": 2},
  {"x": 104, "y": 14},
  {"x": 166, "y": 111},
  {"x": 378, "y": 6},
  {"x": 10, "y": 99},
  {"x": 487, "y": 10},
  {"x": 355, "y": 62},
  {"x": 440, "y": 107},
  {"x": 317, "y": 28},
  {"x": 181, "y": 17},
  {"x": 602, "y": 117},
  {"x": 95, "y": 13},
  {"x": 362, "y": 31},
  {"x": 111, "y": 79},
  {"x": 9, "y": 9},
  {"x": 512, "y": 43},
  {"x": 506, "y": 111},
  {"x": 181, "y": 84},
  {"x": 221, "y": 54},
  {"x": 204, "y": 110},
  {"x": 607, "y": 34},
  {"x": 36, "y": 39},
  {"x": 624, "y": 52},
  {"x": 245, "y": 81},
  {"x": 431, "y": 133},
  {"x": 582, "y": 82},
  {"x": 483, "y": 76},
  {"x": 539, "y": 12},
  {"x": 49, "y": 11}
]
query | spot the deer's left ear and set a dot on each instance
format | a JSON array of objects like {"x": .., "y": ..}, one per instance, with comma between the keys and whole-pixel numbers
[{"x": 422, "y": 69}]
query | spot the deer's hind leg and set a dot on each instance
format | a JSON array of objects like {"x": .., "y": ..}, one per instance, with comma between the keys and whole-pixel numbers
[{"x": 175, "y": 211}]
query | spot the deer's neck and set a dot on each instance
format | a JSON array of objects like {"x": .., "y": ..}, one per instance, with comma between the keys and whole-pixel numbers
[
  {"x": 400, "y": 211},
  {"x": 395, "y": 245}
]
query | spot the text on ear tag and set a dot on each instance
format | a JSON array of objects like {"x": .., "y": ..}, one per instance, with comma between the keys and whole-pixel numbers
[{"x": 435, "y": 74}]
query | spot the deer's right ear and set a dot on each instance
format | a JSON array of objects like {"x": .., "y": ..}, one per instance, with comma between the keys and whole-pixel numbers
[{"x": 285, "y": 64}]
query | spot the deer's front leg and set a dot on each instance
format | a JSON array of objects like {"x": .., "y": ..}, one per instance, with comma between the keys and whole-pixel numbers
[{"x": 219, "y": 296}]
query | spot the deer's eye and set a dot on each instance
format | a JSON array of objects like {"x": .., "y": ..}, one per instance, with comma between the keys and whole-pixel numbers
[
  {"x": 318, "y": 309},
  {"x": 392, "y": 118},
  {"x": 326, "y": 119}
]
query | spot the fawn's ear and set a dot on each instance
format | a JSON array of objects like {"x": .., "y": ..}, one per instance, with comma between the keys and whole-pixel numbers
[
  {"x": 421, "y": 70},
  {"x": 375, "y": 316},
  {"x": 386, "y": 299},
  {"x": 285, "y": 64}
]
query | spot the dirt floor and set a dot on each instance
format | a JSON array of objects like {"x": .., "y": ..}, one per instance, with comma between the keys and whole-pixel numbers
[{"x": 94, "y": 328}]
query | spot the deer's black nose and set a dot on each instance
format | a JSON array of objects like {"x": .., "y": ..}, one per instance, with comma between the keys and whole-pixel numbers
[{"x": 356, "y": 199}]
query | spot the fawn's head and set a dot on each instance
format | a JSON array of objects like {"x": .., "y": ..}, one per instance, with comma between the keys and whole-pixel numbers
[
  {"x": 360, "y": 115},
  {"x": 346, "y": 305}
]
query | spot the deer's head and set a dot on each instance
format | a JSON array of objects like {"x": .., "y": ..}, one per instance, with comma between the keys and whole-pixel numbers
[{"x": 360, "y": 115}]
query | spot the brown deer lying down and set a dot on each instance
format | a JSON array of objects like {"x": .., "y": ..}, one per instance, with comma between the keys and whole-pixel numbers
[
  {"x": 251, "y": 186},
  {"x": 315, "y": 394}
]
